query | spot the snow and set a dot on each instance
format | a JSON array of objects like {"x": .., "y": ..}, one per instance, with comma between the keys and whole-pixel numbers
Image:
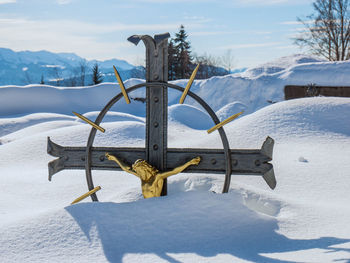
[{"x": 305, "y": 219}]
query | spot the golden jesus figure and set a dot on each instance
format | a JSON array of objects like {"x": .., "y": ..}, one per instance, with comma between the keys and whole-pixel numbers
[{"x": 151, "y": 179}]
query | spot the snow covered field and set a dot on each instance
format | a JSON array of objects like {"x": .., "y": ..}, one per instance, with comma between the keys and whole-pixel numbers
[{"x": 305, "y": 219}]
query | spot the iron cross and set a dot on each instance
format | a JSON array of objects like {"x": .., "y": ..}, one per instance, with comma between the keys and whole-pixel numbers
[{"x": 156, "y": 152}]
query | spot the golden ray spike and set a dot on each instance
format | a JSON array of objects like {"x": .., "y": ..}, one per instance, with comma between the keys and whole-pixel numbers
[
  {"x": 189, "y": 84},
  {"x": 217, "y": 126},
  {"x": 89, "y": 122},
  {"x": 86, "y": 195},
  {"x": 121, "y": 85}
]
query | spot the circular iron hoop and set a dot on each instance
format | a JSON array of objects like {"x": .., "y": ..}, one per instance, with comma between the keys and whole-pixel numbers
[{"x": 208, "y": 109}]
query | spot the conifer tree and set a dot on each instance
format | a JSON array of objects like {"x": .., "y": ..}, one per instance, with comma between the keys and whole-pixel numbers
[
  {"x": 97, "y": 77},
  {"x": 183, "y": 54},
  {"x": 42, "y": 79},
  {"x": 172, "y": 58}
]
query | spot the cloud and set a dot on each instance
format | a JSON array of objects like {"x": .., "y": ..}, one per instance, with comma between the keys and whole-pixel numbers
[
  {"x": 232, "y": 2},
  {"x": 63, "y": 2},
  {"x": 251, "y": 45},
  {"x": 209, "y": 33},
  {"x": 293, "y": 23},
  {"x": 7, "y": 2},
  {"x": 85, "y": 39}
]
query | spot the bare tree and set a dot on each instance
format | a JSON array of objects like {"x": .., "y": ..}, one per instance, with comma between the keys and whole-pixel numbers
[
  {"x": 327, "y": 30},
  {"x": 57, "y": 74},
  {"x": 227, "y": 60},
  {"x": 82, "y": 67}
]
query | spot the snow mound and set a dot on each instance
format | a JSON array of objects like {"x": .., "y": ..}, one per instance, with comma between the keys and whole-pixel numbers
[
  {"x": 21, "y": 100},
  {"x": 230, "y": 109},
  {"x": 255, "y": 90},
  {"x": 127, "y": 231},
  {"x": 279, "y": 64},
  {"x": 9, "y": 125},
  {"x": 190, "y": 116},
  {"x": 300, "y": 118},
  {"x": 112, "y": 117}
]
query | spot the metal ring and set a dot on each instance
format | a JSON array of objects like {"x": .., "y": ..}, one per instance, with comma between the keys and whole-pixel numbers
[{"x": 208, "y": 109}]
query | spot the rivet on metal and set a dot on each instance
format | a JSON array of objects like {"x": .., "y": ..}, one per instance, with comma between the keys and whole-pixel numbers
[
  {"x": 156, "y": 99},
  {"x": 155, "y": 124},
  {"x": 155, "y": 147},
  {"x": 234, "y": 162},
  {"x": 83, "y": 159},
  {"x": 213, "y": 161},
  {"x": 257, "y": 163},
  {"x": 102, "y": 158}
]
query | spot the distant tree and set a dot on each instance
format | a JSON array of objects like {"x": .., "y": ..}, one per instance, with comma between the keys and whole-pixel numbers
[
  {"x": 97, "y": 77},
  {"x": 27, "y": 77},
  {"x": 57, "y": 74},
  {"x": 42, "y": 79},
  {"x": 209, "y": 66},
  {"x": 138, "y": 72},
  {"x": 82, "y": 67},
  {"x": 327, "y": 30},
  {"x": 172, "y": 60},
  {"x": 227, "y": 60},
  {"x": 183, "y": 54},
  {"x": 72, "y": 81}
]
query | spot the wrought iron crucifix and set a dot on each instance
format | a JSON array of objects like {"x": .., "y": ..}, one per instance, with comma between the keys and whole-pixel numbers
[{"x": 156, "y": 152}]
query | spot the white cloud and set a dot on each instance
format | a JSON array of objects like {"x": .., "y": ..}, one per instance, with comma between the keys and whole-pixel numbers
[
  {"x": 251, "y": 45},
  {"x": 84, "y": 39},
  {"x": 63, "y": 2},
  {"x": 293, "y": 23},
  {"x": 7, "y": 2}
]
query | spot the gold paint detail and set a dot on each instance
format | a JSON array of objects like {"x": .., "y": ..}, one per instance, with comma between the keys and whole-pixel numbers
[
  {"x": 217, "y": 126},
  {"x": 89, "y": 122},
  {"x": 189, "y": 84},
  {"x": 86, "y": 195},
  {"x": 121, "y": 85},
  {"x": 151, "y": 179}
]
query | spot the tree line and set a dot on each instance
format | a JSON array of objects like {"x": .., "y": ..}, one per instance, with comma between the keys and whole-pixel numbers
[
  {"x": 80, "y": 76},
  {"x": 181, "y": 61}
]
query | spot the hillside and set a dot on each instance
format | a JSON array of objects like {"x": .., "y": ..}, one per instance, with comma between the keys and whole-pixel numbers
[{"x": 27, "y": 67}]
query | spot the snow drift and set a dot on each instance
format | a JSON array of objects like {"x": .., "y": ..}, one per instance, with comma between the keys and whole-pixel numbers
[{"x": 305, "y": 219}]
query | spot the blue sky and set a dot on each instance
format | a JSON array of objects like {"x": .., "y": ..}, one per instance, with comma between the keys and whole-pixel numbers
[{"x": 255, "y": 30}]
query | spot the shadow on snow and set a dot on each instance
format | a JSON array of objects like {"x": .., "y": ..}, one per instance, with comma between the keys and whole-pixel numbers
[{"x": 203, "y": 223}]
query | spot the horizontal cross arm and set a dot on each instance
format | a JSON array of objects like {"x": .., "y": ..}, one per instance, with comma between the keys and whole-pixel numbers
[
  {"x": 243, "y": 161},
  {"x": 75, "y": 157}
]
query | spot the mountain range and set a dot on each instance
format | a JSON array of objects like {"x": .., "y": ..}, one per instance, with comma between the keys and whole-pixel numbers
[{"x": 29, "y": 67}]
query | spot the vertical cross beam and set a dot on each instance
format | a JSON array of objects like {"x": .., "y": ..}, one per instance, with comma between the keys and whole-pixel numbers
[{"x": 156, "y": 100}]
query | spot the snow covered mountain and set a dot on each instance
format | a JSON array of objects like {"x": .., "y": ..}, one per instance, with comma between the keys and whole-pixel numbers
[{"x": 26, "y": 67}]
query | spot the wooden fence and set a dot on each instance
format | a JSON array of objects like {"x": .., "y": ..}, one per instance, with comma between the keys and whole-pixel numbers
[{"x": 295, "y": 91}]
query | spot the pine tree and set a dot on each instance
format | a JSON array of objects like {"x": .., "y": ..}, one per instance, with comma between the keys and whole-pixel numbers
[
  {"x": 183, "y": 54},
  {"x": 97, "y": 77},
  {"x": 172, "y": 56},
  {"x": 42, "y": 79}
]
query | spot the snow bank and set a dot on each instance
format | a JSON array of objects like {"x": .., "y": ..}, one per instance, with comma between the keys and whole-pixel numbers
[
  {"x": 254, "y": 88},
  {"x": 305, "y": 219}
]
